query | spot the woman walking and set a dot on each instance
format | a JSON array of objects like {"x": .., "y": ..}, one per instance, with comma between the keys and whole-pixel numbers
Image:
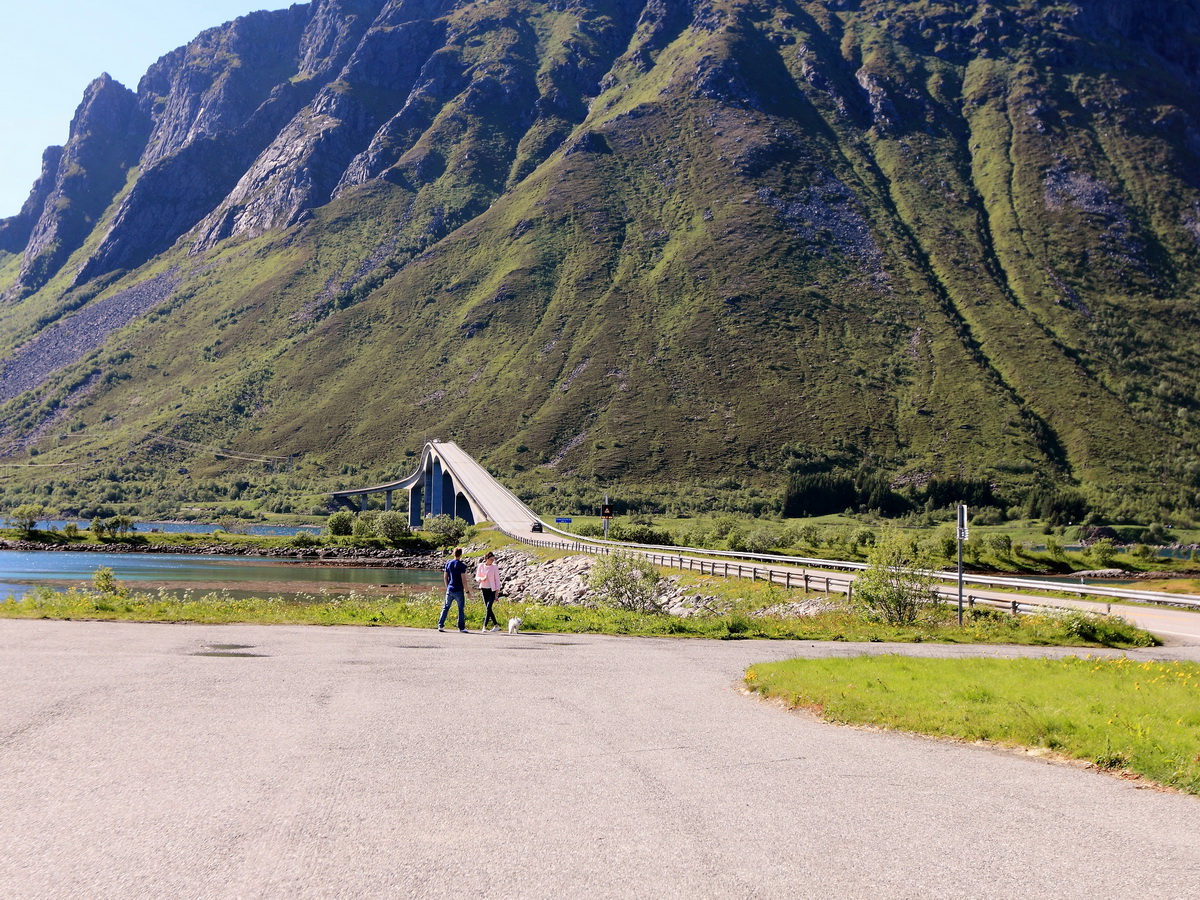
[{"x": 487, "y": 576}]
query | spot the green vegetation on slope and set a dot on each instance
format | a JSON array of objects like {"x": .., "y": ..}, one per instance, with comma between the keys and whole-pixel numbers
[{"x": 891, "y": 242}]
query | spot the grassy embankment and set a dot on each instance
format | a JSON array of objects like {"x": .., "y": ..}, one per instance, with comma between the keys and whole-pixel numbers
[{"x": 1139, "y": 718}]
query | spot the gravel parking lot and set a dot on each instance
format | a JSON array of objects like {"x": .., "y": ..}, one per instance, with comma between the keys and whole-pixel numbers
[{"x": 252, "y": 761}]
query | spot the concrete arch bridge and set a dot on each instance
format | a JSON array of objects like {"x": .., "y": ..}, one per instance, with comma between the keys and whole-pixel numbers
[{"x": 448, "y": 481}]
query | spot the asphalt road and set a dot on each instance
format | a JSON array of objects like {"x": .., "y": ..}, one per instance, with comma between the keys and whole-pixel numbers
[{"x": 249, "y": 761}]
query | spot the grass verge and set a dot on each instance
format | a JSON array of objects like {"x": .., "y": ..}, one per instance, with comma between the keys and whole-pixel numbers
[
  {"x": 1141, "y": 718},
  {"x": 420, "y": 609}
]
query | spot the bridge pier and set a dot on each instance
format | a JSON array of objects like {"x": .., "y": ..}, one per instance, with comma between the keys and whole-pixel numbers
[
  {"x": 416, "y": 503},
  {"x": 436, "y": 500}
]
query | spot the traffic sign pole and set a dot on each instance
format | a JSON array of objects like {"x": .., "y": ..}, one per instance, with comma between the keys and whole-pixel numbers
[{"x": 962, "y": 536}]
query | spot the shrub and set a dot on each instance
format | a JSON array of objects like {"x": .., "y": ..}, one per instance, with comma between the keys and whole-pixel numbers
[
  {"x": 811, "y": 535},
  {"x": 639, "y": 534},
  {"x": 1000, "y": 544},
  {"x": 893, "y": 588},
  {"x": 1103, "y": 552},
  {"x": 625, "y": 582},
  {"x": 392, "y": 526},
  {"x": 104, "y": 582},
  {"x": 119, "y": 525},
  {"x": 1105, "y": 630},
  {"x": 446, "y": 531},
  {"x": 341, "y": 523},
  {"x": 232, "y": 525},
  {"x": 304, "y": 539},
  {"x": 364, "y": 525}
]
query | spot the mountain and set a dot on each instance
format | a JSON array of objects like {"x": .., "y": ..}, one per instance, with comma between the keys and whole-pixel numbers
[{"x": 655, "y": 242}]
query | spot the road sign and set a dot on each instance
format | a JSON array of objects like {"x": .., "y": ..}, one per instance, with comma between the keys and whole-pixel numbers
[
  {"x": 563, "y": 520},
  {"x": 606, "y": 511}
]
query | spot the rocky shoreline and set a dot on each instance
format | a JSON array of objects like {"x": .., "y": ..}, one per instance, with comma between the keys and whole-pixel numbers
[{"x": 323, "y": 556}]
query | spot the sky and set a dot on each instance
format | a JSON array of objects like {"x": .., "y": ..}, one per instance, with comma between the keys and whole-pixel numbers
[{"x": 50, "y": 50}]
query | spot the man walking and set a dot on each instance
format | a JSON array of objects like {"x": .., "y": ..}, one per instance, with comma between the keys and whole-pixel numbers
[{"x": 454, "y": 571}]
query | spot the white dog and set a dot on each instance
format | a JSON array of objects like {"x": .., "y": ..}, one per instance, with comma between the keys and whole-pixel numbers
[{"x": 514, "y": 625}]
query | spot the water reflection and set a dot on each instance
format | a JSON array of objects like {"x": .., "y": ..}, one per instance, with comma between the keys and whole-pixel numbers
[{"x": 21, "y": 570}]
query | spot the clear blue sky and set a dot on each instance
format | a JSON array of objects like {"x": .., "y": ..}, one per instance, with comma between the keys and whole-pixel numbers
[{"x": 51, "y": 49}]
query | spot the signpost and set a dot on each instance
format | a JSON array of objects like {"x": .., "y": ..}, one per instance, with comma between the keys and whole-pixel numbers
[
  {"x": 563, "y": 520},
  {"x": 962, "y": 536},
  {"x": 606, "y": 514}
]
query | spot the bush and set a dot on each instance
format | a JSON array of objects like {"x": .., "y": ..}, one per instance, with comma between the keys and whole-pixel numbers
[
  {"x": 392, "y": 526},
  {"x": 341, "y": 523},
  {"x": 304, "y": 539},
  {"x": 232, "y": 525},
  {"x": 1109, "y": 631},
  {"x": 364, "y": 525},
  {"x": 446, "y": 531},
  {"x": 639, "y": 534},
  {"x": 1103, "y": 552},
  {"x": 1000, "y": 544},
  {"x": 625, "y": 582},
  {"x": 119, "y": 525},
  {"x": 893, "y": 588},
  {"x": 104, "y": 582}
]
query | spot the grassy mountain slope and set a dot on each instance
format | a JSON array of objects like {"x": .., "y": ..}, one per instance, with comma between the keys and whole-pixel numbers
[{"x": 650, "y": 242}]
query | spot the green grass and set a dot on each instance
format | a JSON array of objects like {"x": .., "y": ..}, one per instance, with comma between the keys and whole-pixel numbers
[
  {"x": 748, "y": 616},
  {"x": 1119, "y": 714}
]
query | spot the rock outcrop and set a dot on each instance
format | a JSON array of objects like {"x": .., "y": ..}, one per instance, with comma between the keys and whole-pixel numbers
[{"x": 106, "y": 136}]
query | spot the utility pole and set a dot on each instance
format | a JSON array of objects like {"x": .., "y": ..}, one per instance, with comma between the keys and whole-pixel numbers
[{"x": 962, "y": 536}]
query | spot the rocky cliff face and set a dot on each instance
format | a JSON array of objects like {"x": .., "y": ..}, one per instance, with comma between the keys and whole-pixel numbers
[
  {"x": 106, "y": 134},
  {"x": 801, "y": 235}
]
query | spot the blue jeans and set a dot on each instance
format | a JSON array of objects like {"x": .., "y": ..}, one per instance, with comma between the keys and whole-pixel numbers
[{"x": 461, "y": 597}]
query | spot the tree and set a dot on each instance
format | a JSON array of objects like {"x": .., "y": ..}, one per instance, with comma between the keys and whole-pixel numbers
[
  {"x": 232, "y": 525},
  {"x": 626, "y": 582},
  {"x": 119, "y": 525},
  {"x": 895, "y": 586},
  {"x": 26, "y": 516},
  {"x": 1000, "y": 544}
]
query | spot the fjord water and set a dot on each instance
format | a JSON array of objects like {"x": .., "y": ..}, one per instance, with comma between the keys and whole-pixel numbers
[{"x": 241, "y": 576}]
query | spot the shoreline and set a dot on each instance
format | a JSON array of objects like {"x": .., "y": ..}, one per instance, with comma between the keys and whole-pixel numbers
[{"x": 327, "y": 556}]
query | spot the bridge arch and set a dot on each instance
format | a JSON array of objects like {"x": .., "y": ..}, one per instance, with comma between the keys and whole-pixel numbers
[{"x": 433, "y": 488}]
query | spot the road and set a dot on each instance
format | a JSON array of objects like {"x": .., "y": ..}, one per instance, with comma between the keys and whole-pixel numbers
[
  {"x": 495, "y": 501},
  {"x": 1172, "y": 624},
  {"x": 249, "y": 761}
]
